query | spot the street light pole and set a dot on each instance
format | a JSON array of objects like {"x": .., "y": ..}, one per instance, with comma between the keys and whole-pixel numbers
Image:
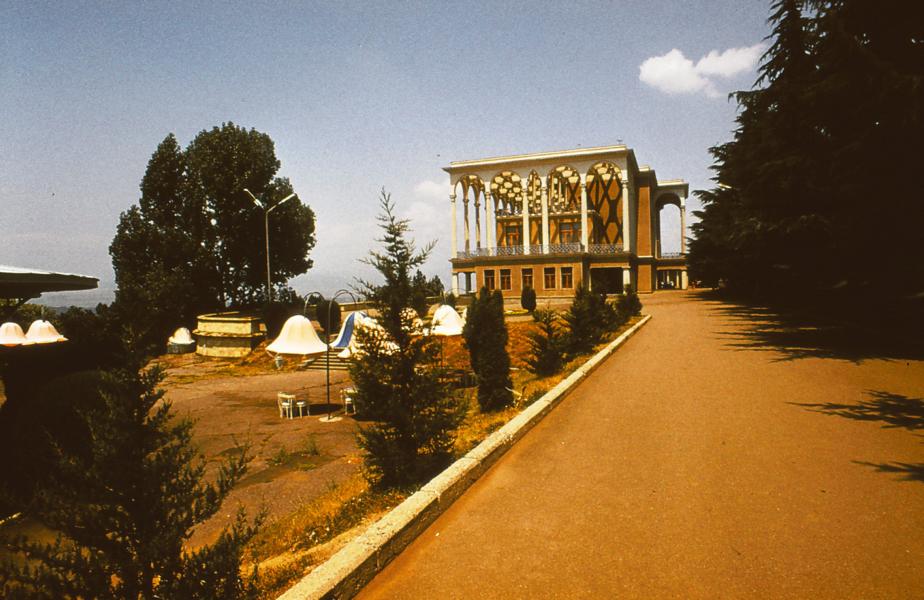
[
  {"x": 266, "y": 212},
  {"x": 330, "y": 303}
]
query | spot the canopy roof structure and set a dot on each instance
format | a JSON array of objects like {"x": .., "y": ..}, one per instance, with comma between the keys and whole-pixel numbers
[
  {"x": 297, "y": 337},
  {"x": 22, "y": 284},
  {"x": 446, "y": 322}
]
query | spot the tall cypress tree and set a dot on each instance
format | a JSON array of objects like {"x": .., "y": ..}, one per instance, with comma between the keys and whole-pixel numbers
[{"x": 485, "y": 335}]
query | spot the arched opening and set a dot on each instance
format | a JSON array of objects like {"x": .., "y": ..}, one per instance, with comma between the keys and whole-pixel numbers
[
  {"x": 473, "y": 202},
  {"x": 668, "y": 242},
  {"x": 604, "y": 189},
  {"x": 564, "y": 208},
  {"x": 507, "y": 190}
]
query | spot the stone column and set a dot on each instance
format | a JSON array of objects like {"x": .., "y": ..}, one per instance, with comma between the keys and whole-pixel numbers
[
  {"x": 525, "y": 219},
  {"x": 683, "y": 280},
  {"x": 455, "y": 242},
  {"x": 490, "y": 222},
  {"x": 625, "y": 214},
  {"x": 545, "y": 217},
  {"x": 683, "y": 226},
  {"x": 455, "y": 226},
  {"x": 465, "y": 216},
  {"x": 584, "y": 235},
  {"x": 477, "y": 220}
]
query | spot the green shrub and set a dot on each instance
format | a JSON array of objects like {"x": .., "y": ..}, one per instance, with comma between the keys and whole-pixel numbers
[
  {"x": 588, "y": 319},
  {"x": 528, "y": 299},
  {"x": 546, "y": 344}
]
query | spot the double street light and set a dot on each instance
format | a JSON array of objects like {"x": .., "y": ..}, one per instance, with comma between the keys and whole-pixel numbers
[
  {"x": 330, "y": 302},
  {"x": 266, "y": 212}
]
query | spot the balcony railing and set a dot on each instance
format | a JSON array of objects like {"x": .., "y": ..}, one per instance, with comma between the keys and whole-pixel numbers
[{"x": 570, "y": 248}]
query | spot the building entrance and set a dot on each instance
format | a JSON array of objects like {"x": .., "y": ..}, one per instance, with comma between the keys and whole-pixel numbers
[{"x": 606, "y": 280}]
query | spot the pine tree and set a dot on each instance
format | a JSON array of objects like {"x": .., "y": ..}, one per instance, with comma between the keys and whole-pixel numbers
[
  {"x": 586, "y": 319},
  {"x": 125, "y": 506},
  {"x": 546, "y": 344},
  {"x": 395, "y": 376}
]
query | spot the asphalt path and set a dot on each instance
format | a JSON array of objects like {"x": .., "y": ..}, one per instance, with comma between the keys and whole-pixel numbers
[{"x": 697, "y": 462}]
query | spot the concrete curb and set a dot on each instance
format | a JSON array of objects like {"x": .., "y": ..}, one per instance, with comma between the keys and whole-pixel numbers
[{"x": 345, "y": 573}]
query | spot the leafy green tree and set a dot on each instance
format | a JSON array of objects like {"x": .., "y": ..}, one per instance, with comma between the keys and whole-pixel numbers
[
  {"x": 124, "y": 498},
  {"x": 528, "y": 299},
  {"x": 195, "y": 240},
  {"x": 331, "y": 307},
  {"x": 546, "y": 344},
  {"x": 485, "y": 335},
  {"x": 397, "y": 383}
]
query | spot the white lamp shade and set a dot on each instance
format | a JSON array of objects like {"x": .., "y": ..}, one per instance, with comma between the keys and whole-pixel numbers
[
  {"x": 43, "y": 332},
  {"x": 297, "y": 337},
  {"x": 446, "y": 321},
  {"x": 11, "y": 335},
  {"x": 181, "y": 336}
]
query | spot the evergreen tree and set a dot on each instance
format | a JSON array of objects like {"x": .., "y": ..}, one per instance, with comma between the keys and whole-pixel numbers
[
  {"x": 528, "y": 299},
  {"x": 813, "y": 188},
  {"x": 395, "y": 376},
  {"x": 546, "y": 344},
  {"x": 485, "y": 335},
  {"x": 587, "y": 320},
  {"x": 124, "y": 501}
]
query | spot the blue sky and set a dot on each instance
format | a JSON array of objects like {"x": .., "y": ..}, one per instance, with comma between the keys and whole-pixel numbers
[{"x": 357, "y": 96}]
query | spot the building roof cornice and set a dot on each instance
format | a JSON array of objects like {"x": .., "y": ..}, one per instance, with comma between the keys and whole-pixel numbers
[{"x": 578, "y": 153}]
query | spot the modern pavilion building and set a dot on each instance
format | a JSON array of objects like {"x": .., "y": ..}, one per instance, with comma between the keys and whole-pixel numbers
[{"x": 553, "y": 219}]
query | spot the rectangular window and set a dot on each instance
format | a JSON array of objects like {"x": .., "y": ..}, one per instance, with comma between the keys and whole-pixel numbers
[
  {"x": 505, "y": 279},
  {"x": 569, "y": 232},
  {"x": 527, "y": 278},
  {"x": 512, "y": 235},
  {"x": 489, "y": 279},
  {"x": 566, "y": 278},
  {"x": 549, "y": 273}
]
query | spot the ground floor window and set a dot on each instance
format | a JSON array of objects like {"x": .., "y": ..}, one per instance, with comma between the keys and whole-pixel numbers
[
  {"x": 505, "y": 279},
  {"x": 489, "y": 279},
  {"x": 567, "y": 278},
  {"x": 527, "y": 278},
  {"x": 549, "y": 277}
]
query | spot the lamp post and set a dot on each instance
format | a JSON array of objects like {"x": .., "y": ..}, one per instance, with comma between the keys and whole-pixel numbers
[
  {"x": 266, "y": 212},
  {"x": 330, "y": 303}
]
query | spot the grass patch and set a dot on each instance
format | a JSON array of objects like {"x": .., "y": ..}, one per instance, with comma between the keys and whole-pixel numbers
[{"x": 287, "y": 548}]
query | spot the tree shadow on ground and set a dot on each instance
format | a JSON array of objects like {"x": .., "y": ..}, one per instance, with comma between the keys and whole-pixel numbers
[
  {"x": 893, "y": 410},
  {"x": 810, "y": 333},
  {"x": 906, "y": 471}
]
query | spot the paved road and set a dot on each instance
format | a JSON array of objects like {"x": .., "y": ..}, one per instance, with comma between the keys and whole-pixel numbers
[{"x": 697, "y": 463}]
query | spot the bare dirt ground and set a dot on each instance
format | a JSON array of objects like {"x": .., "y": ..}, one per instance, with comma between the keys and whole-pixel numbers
[
  {"x": 294, "y": 460},
  {"x": 722, "y": 453}
]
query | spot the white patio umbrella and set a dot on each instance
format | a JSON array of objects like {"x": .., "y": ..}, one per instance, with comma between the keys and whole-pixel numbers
[{"x": 446, "y": 323}]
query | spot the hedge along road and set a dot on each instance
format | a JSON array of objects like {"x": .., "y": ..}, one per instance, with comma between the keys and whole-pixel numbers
[{"x": 697, "y": 462}]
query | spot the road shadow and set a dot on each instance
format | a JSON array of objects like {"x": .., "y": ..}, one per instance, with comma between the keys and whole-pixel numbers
[
  {"x": 809, "y": 334},
  {"x": 905, "y": 471},
  {"x": 892, "y": 410}
]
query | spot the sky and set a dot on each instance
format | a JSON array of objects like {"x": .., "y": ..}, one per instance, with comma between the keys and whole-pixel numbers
[{"x": 357, "y": 96}]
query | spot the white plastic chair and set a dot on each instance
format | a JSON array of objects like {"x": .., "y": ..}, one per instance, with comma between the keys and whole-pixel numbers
[{"x": 286, "y": 403}]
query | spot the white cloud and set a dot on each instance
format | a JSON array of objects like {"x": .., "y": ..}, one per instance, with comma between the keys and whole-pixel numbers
[
  {"x": 731, "y": 62},
  {"x": 674, "y": 73}
]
